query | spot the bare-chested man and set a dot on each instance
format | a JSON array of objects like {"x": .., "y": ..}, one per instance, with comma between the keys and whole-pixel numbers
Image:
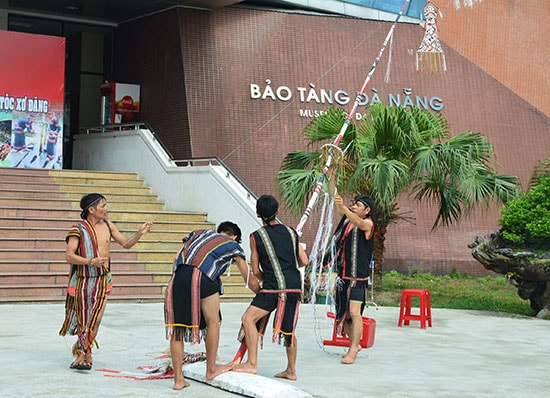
[{"x": 88, "y": 252}]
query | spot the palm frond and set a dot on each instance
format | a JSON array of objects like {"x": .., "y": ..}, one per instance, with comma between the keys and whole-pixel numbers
[
  {"x": 398, "y": 132},
  {"x": 427, "y": 160},
  {"x": 386, "y": 179},
  {"x": 507, "y": 187},
  {"x": 437, "y": 192},
  {"x": 300, "y": 160},
  {"x": 471, "y": 146},
  {"x": 295, "y": 187},
  {"x": 327, "y": 126},
  {"x": 430, "y": 126}
]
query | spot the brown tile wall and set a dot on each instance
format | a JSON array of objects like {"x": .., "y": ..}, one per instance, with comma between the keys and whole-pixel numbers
[
  {"x": 198, "y": 96},
  {"x": 148, "y": 52}
]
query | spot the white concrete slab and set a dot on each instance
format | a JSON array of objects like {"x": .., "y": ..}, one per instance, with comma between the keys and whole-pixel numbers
[{"x": 245, "y": 384}]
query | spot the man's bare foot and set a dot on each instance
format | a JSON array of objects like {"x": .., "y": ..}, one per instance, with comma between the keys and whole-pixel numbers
[
  {"x": 180, "y": 384},
  {"x": 286, "y": 375},
  {"x": 245, "y": 368},
  {"x": 350, "y": 357},
  {"x": 218, "y": 370},
  {"x": 355, "y": 349}
]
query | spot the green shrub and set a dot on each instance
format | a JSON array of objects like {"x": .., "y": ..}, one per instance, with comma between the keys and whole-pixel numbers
[{"x": 526, "y": 220}]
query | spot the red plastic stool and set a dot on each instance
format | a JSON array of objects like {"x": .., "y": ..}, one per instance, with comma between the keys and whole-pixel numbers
[
  {"x": 367, "y": 338},
  {"x": 405, "y": 315}
]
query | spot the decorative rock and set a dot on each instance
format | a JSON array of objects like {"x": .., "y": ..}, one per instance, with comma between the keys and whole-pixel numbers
[{"x": 543, "y": 314}]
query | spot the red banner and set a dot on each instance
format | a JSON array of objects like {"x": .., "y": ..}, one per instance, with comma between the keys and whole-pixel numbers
[{"x": 31, "y": 100}]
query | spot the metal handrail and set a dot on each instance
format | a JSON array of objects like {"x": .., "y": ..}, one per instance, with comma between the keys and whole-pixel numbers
[
  {"x": 214, "y": 160},
  {"x": 107, "y": 128}
]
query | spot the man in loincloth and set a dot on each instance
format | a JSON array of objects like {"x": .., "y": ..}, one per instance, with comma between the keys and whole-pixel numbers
[
  {"x": 354, "y": 240},
  {"x": 275, "y": 257},
  {"x": 192, "y": 304},
  {"x": 88, "y": 252}
]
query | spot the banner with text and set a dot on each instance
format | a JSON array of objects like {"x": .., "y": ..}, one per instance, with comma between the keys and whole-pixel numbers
[{"x": 31, "y": 100}]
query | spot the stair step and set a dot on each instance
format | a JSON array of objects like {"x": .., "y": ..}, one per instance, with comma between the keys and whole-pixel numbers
[
  {"x": 236, "y": 298},
  {"x": 125, "y": 226},
  {"x": 81, "y": 189},
  {"x": 36, "y": 173},
  {"x": 41, "y": 232},
  {"x": 120, "y": 204},
  {"x": 52, "y": 277},
  {"x": 114, "y": 175},
  {"x": 49, "y": 265},
  {"x": 72, "y": 196},
  {"x": 114, "y": 214},
  {"x": 92, "y": 182},
  {"x": 58, "y": 242}
]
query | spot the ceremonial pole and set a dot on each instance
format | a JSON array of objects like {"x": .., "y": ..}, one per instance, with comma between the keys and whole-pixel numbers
[{"x": 315, "y": 196}]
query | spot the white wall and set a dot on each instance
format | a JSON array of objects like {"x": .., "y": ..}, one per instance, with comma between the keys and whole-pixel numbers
[{"x": 207, "y": 189}]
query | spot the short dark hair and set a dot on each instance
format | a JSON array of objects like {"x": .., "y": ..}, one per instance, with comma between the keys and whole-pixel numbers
[
  {"x": 230, "y": 228},
  {"x": 87, "y": 201},
  {"x": 266, "y": 207}
]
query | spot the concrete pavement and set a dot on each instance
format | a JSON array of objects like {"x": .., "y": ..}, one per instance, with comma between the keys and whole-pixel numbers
[{"x": 464, "y": 354}]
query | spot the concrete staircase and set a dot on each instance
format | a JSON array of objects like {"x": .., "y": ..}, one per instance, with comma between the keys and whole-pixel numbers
[{"x": 37, "y": 207}]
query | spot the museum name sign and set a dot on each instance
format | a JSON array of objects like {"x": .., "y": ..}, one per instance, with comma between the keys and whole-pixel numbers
[{"x": 314, "y": 95}]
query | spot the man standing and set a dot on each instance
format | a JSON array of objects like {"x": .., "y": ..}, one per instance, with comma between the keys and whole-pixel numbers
[
  {"x": 21, "y": 127},
  {"x": 354, "y": 240},
  {"x": 192, "y": 304},
  {"x": 88, "y": 252},
  {"x": 276, "y": 255},
  {"x": 53, "y": 132}
]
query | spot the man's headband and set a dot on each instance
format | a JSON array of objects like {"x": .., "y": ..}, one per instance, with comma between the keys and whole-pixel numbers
[{"x": 365, "y": 200}]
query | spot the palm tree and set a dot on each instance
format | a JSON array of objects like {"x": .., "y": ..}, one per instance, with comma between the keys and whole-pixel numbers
[{"x": 396, "y": 151}]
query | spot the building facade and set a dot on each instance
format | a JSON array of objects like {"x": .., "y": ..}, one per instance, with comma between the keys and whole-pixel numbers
[{"x": 241, "y": 84}]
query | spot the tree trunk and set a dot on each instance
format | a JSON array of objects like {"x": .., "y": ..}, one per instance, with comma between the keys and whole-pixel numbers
[
  {"x": 379, "y": 238},
  {"x": 529, "y": 272}
]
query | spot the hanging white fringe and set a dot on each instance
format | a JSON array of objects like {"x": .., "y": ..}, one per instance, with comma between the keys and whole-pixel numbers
[
  {"x": 319, "y": 278},
  {"x": 467, "y": 3}
]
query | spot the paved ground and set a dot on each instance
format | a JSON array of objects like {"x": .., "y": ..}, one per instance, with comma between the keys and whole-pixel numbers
[{"x": 464, "y": 354}]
